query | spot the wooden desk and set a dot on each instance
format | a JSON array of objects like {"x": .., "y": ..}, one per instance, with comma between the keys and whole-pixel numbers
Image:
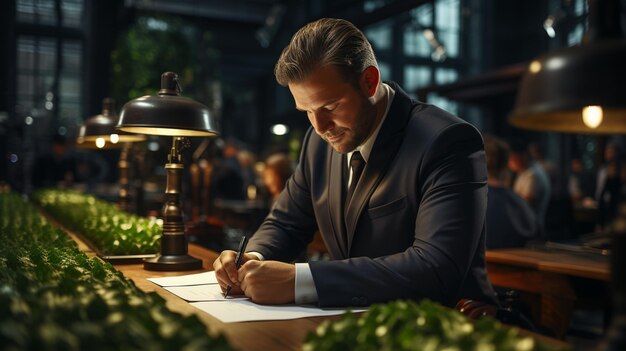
[
  {"x": 272, "y": 335},
  {"x": 554, "y": 281},
  {"x": 263, "y": 335}
]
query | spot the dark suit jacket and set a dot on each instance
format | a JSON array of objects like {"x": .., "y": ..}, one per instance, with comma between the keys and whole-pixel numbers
[{"x": 415, "y": 227}]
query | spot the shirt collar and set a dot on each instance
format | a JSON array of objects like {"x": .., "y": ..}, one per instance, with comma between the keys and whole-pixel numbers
[{"x": 366, "y": 147}]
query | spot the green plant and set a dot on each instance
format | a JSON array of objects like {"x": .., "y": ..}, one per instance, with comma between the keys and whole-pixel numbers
[
  {"x": 112, "y": 231},
  {"x": 54, "y": 297},
  {"x": 427, "y": 326}
]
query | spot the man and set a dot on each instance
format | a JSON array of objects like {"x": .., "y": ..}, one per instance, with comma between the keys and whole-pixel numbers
[
  {"x": 414, "y": 226},
  {"x": 510, "y": 221}
]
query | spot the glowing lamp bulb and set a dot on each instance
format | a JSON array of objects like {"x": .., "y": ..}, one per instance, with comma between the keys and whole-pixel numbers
[
  {"x": 100, "y": 143},
  {"x": 114, "y": 138},
  {"x": 592, "y": 116}
]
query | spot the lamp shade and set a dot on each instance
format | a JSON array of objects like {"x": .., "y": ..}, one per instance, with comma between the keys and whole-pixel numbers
[
  {"x": 101, "y": 128},
  {"x": 579, "y": 89},
  {"x": 167, "y": 113}
]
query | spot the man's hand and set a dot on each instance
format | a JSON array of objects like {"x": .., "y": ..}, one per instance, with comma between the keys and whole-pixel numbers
[
  {"x": 268, "y": 282},
  {"x": 226, "y": 272}
]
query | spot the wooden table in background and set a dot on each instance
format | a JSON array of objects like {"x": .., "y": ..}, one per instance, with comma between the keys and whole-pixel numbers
[{"x": 553, "y": 281}]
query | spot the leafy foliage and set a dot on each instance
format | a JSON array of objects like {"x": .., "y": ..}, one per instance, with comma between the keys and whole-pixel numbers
[
  {"x": 53, "y": 297},
  {"x": 112, "y": 231},
  {"x": 406, "y": 325}
]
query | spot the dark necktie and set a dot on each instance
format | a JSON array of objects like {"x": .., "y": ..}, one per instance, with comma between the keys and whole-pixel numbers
[{"x": 357, "y": 163}]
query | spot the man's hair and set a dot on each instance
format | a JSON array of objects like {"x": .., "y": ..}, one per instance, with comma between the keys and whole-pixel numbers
[
  {"x": 497, "y": 156},
  {"x": 327, "y": 41}
]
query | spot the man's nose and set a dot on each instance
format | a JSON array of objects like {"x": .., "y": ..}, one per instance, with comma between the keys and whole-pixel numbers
[{"x": 321, "y": 122}]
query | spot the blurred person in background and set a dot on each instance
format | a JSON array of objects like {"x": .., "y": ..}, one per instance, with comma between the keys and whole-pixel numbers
[
  {"x": 531, "y": 182},
  {"x": 278, "y": 168},
  {"x": 510, "y": 220},
  {"x": 581, "y": 181}
]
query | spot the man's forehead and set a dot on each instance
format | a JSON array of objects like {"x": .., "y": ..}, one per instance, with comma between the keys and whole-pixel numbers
[{"x": 317, "y": 93}]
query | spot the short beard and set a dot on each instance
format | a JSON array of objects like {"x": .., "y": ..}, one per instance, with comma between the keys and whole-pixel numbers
[{"x": 360, "y": 132}]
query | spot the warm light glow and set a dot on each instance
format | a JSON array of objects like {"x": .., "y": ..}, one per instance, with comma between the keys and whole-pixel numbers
[
  {"x": 166, "y": 131},
  {"x": 535, "y": 66},
  {"x": 280, "y": 129},
  {"x": 592, "y": 116},
  {"x": 251, "y": 192},
  {"x": 100, "y": 143},
  {"x": 114, "y": 138}
]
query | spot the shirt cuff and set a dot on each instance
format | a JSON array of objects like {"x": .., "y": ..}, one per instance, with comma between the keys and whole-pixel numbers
[
  {"x": 305, "y": 291},
  {"x": 257, "y": 254}
]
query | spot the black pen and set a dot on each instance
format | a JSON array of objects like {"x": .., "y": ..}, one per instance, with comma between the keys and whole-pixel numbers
[{"x": 238, "y": 258}]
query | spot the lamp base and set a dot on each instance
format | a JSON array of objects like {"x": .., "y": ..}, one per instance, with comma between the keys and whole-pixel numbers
[{"x": 172, "y": 263}]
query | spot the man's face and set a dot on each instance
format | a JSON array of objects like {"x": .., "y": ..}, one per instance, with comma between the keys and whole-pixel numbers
[{"x": 341, "y": 113}]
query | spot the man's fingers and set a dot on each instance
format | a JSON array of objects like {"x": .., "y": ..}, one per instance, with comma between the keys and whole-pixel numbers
[
  {"x": 224, "y": 266},
  {"x": 246, "y": 271},
  {"x": 268, "y": 282}
]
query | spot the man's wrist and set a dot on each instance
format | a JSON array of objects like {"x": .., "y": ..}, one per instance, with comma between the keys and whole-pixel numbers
[
  {"x": 304, "y": 287},
  {"x": 257, "y": 254}
]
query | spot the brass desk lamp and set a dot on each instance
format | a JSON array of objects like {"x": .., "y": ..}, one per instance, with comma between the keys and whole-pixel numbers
[
  {"x": 170, "y": 114},
  {"x": 99, "y": 132}
]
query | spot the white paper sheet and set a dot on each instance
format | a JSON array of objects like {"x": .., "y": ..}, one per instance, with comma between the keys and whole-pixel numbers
[
  {"x": 243, "y": 310},
  {"x": 207, "y": 292},
  {"x": 203, "y": 292},
  {"x": 185, "y": 280}
]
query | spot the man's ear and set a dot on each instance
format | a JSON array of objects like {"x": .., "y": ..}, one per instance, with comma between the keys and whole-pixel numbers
[{"x": 369, "y": 80}]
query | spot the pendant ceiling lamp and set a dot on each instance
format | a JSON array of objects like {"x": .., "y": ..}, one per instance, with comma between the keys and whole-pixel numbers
[{"x": 579, "y": 89}]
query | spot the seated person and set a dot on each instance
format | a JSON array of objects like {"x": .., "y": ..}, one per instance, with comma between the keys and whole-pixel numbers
[
  {"x": 510, "y": 220},
  {"x": 396, "y": 187}
]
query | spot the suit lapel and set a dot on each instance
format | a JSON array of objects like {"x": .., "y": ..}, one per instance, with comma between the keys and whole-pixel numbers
[
  {"x": 383, "y": 152},
  {"x": 335, "y": 204}
]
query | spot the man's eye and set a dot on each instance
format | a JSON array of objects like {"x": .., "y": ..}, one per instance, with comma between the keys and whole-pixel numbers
[{"x": 331, "y": 108}]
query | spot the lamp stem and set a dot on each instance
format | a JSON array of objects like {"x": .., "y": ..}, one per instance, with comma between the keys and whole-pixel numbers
[
  {"x": 123, "y": 165},
  {"x": 173, "y": 255}
]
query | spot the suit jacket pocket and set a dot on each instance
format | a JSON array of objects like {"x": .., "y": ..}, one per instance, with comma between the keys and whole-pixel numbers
[{"x": 389, "y": 208}]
